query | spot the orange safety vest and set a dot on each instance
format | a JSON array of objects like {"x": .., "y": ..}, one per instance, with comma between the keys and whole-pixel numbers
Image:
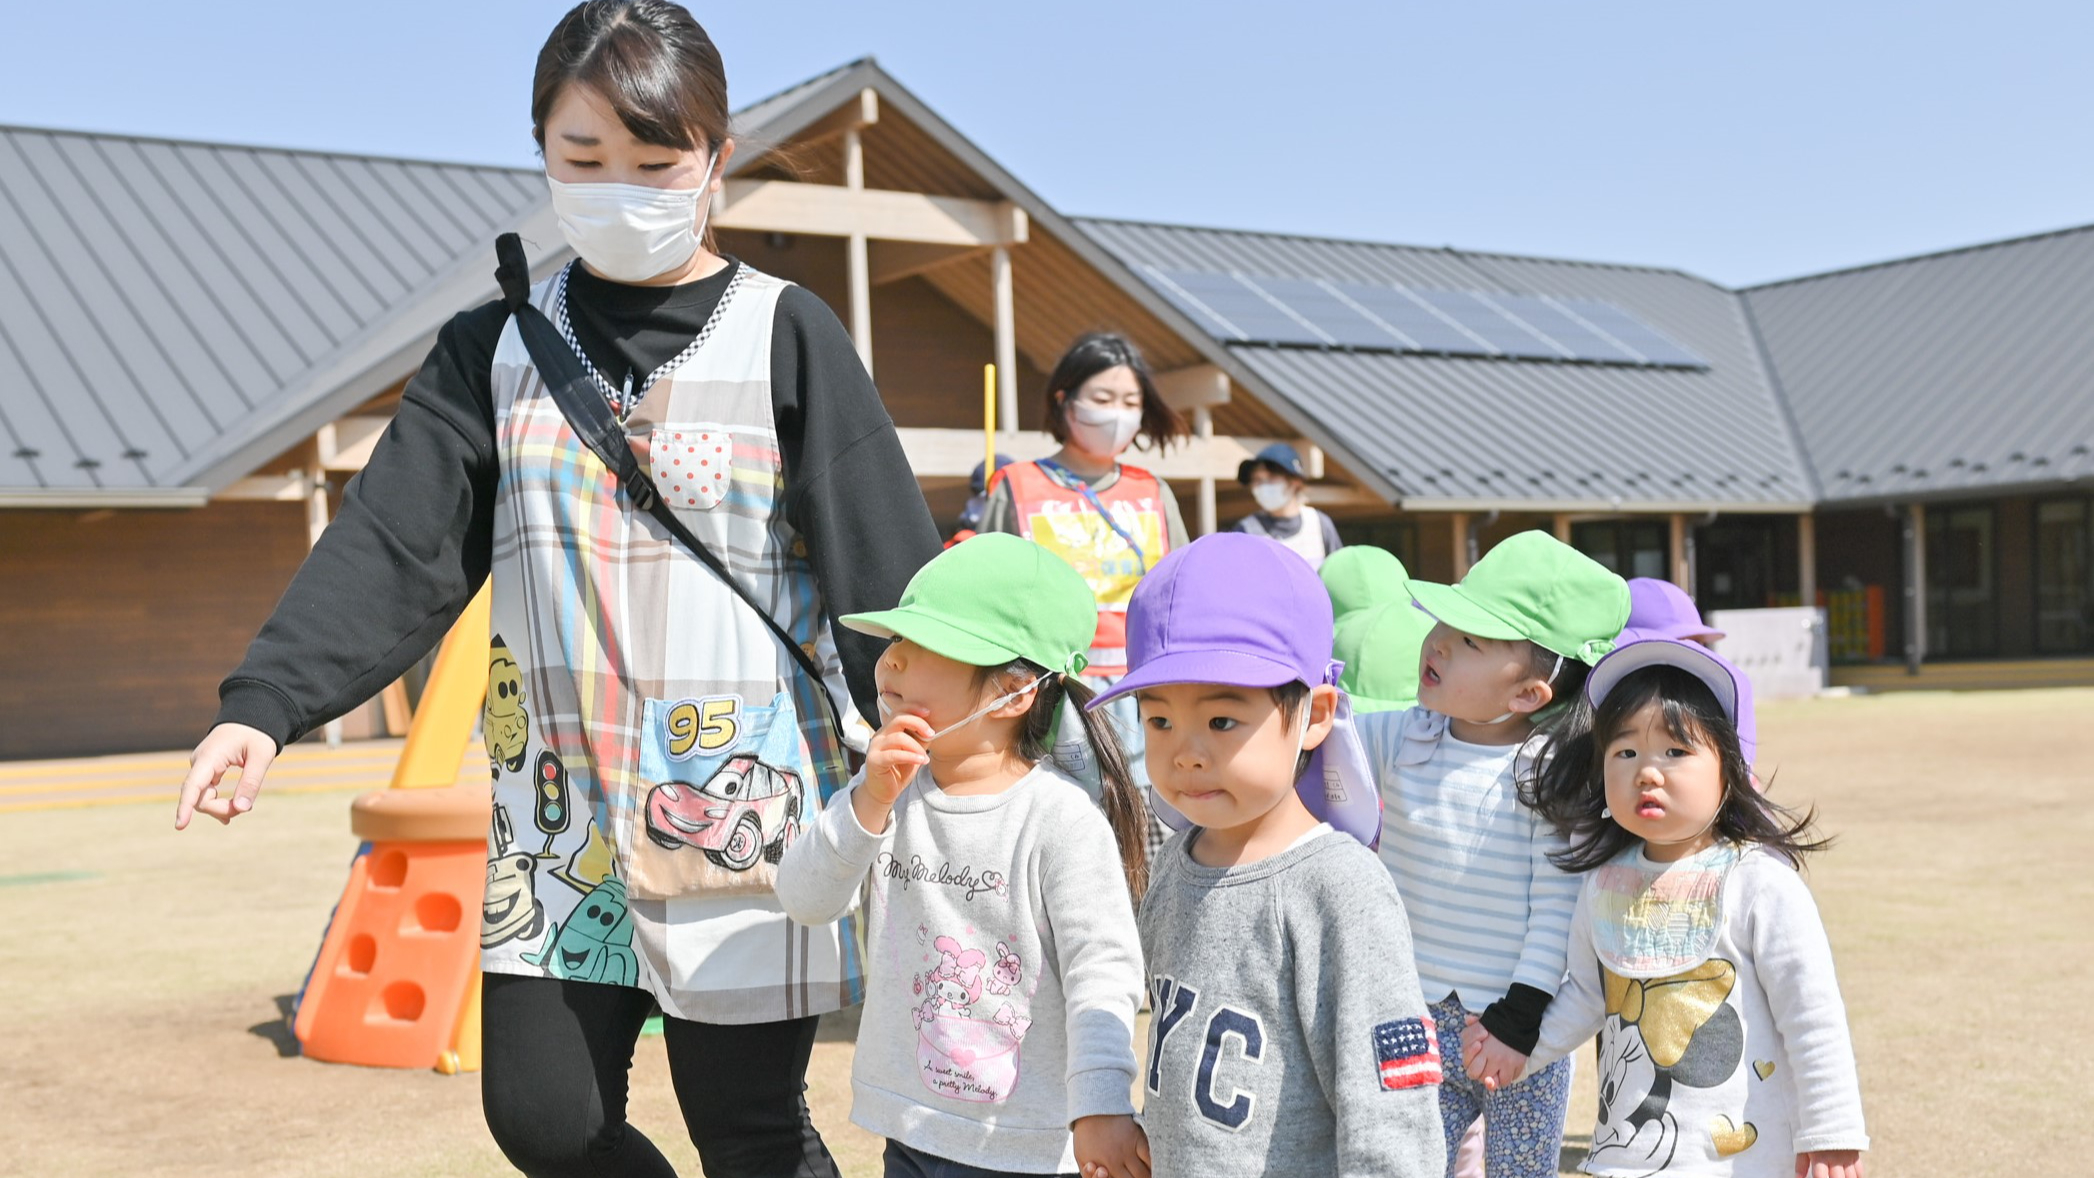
[{"x": 1062, "y": 520}]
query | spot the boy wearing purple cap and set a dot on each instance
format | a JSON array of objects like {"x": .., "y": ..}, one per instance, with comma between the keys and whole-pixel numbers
[{"x": 1289, "y": 1035}]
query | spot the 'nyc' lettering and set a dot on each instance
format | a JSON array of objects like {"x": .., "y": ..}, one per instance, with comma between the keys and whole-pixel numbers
[{"x": 1173, "y": 1004}]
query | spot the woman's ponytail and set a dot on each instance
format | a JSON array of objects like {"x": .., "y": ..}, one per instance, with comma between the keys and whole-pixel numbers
[{"x": 1122, "y": 799}]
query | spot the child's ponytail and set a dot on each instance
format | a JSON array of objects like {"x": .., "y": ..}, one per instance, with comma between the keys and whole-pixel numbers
[{"x": 1122, "y": 799}]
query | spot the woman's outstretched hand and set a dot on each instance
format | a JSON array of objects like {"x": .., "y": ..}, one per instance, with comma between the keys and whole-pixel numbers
[{"x": 224, "y": 748}]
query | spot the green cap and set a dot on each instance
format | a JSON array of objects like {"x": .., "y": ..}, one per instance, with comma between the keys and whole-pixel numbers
[
  {"x": 1536, "y": 587},
  {"x": 990, "y": 599},
  {"x": 1380, "y": 647},
  {"x": 1358, "y": 576}
]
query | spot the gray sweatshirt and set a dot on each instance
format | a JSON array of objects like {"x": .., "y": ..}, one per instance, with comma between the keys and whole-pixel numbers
[
  {"x": 1289, "y": 1034},
  {"x": 1003, "y": 970}
]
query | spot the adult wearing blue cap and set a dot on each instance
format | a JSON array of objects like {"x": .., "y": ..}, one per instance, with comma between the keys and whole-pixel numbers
[{"x": 1274, "y": 477}]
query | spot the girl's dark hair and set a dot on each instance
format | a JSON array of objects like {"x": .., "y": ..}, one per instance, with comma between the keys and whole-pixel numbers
[
  {"x": 1122, "y": 802},
  {"x": 1566, "y": 688},
  {"x": 1570, "y": 788},
  {"x": 1092, "y": 354},
  {"x": 650, "y": 60}
]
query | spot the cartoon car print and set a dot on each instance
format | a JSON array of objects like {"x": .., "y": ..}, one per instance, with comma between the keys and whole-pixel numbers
[
  {"x": 505, "y": 724},
  {"x": 510, "y": 909},
  {"x": 748, "y": 810}
]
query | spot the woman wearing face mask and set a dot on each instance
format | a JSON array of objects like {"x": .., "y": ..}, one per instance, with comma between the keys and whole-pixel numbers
[
  {"x": 642, "y": 718},
  {"x": 1274, "y": 477},
  {"x": 1110, "y": 520}
]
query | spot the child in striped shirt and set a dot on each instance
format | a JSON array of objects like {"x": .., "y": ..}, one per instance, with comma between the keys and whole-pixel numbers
[{"x": 1489, "y": 912}]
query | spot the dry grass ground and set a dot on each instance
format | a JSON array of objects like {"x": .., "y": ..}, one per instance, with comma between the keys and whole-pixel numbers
[{"x": 142, "y": 971}]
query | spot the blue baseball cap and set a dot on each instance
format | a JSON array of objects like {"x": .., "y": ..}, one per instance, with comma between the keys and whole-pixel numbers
[{"x": 1280, "y": 456}]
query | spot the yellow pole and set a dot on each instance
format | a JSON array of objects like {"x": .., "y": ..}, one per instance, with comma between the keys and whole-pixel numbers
[
  {"x": 443, "y": 725},
  {"x": 988, "y": 421}
]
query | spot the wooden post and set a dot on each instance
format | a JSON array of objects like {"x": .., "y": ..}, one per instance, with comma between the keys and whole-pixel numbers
[
  {"x": 1562, "y": 524},
  {"x": 1682, "y": 574},
  {"x": 1006, "y": 337},
  {"x": 1463, "y": 541},
  {"x": 1915, "y": 587},
  {"x": 860, "y": 264},
  {"x": 1203, "y": 426},
  {"x": 1807, "y": 560}
]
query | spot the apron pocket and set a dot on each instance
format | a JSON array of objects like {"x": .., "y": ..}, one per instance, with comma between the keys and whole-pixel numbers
[
  {"x": 689, "y": 464},
  {"x": 728, "y": 789}
]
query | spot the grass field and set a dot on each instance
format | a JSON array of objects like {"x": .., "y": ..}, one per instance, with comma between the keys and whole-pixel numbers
[{"x": 143, "y": 971}]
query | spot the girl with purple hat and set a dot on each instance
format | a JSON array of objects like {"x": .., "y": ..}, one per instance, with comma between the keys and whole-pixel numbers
[
  {"x": 1290, "y": 1036},
  {"x": 1696, "y": 952}
]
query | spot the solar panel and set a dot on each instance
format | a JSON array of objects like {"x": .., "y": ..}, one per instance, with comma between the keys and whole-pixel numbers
[
  {"x": 1306, "y": 312},
  {"x": 1345, "y": 324},
  {"x": 1248, "y": 315},
  {"x": 1427, "y": 331},
  {"x": 1633, "y": 332},
  {"x": 1505, "y": 334},
  {"x": 1580, "y": 339}
]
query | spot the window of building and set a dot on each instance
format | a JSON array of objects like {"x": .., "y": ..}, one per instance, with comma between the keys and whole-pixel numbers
[
  {"x": 1398, "y": 536},
  {"x": 2065, "y": 576},
  {"x": 1629, "y": 547},
  {"x": 1962, "y": 606}
]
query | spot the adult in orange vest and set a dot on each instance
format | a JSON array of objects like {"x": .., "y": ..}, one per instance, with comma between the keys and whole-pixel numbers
[{"x": 1110, "y": 520}]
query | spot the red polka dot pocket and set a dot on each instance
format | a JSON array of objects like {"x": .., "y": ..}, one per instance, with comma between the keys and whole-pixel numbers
[{"x": 690, "y": 465}]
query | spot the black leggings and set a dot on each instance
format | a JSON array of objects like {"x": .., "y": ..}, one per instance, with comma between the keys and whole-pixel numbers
[{"x": 555, "y": 1058}]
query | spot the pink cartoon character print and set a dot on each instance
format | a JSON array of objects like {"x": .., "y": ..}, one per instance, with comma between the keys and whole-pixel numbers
[
  {"x": 1004, "y": 974},
  {"x": 961, "y": 1054}
]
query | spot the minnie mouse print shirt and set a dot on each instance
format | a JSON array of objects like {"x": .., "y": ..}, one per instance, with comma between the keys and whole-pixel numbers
[{"x": 1003, "y": 969}]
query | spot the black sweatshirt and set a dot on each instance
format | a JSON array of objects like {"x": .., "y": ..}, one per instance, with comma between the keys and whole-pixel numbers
[{"x": 412, "y": 542}]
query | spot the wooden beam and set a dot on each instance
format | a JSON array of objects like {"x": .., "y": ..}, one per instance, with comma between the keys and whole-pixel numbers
[
  {"x": 346, "y": 444},
  {"x": 1006, "y": 331},
  {"x": 830, "y": 210},
  {"x": 1458, "y": 524},
  {"x": 1562, "y": 524},
  {"x": 1341, "y": 495},
  {"x": 1807, "y": 560},
  {"x": 1915, "y": 526},
  {"x": 1200, "y": 386},
  {"x": 859, "y": 111},
  {"x": 277, "y": 488},
  {"x": 893, "y": 261},
  {"x": 1682, "y": 575},
  {"x": 1203, "y": 428},
  {"x": 860, "y": 266},
  {"x": 953, "y": 453}
]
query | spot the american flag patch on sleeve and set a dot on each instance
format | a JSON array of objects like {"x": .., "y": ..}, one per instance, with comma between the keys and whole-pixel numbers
[{"x": 1407, "y": 1051}]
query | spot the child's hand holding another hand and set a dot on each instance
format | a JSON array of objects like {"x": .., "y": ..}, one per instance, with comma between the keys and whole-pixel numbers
[
  {"x": 1830, "y": 1163},
  {"x": 891, "y": 761},
  {"x": 1487, "y": 1060},
  {"x": 1111, "y": 1147}
]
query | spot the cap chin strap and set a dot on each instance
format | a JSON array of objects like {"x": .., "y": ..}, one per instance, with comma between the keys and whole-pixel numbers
[
  {"x": 986, "y": 708},
  {"x": 1550, "y": 681}
]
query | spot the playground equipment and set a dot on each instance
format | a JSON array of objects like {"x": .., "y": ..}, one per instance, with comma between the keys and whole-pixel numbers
[{"x": 397, "y": 980}]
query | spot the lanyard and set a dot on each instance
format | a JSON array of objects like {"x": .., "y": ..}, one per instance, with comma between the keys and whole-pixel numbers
[{"x": 1067, "y": 480}]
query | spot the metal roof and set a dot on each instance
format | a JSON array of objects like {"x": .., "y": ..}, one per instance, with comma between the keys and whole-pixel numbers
[
  {"x": 1970, "y": 371},
  {"x": 1454, "y": 432},
  {"x": 159, "y": 300}
]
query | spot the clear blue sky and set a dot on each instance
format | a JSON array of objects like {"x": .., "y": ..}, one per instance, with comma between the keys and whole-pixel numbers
[{"x": 1742, "y": 142}]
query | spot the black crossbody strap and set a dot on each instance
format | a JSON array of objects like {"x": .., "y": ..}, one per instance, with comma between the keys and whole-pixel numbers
[{"x": 590, "y": 417}]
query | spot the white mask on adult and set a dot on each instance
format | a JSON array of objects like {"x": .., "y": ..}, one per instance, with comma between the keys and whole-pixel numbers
[
  {"x": 1271, "y": 496},
  {"x": 1102, "y": 429},
  {"x": 631, "y": 232}
]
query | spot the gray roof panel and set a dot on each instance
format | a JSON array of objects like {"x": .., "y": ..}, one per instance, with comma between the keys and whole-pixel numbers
[
  {"x": 1952, "y": 373},
  {"x": 156, "y": 297}
]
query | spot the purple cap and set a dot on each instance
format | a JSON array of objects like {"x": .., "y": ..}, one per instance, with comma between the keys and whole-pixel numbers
[
  {"x": 1230, "y": 608},
  {"x": 1731, "y": 685},
  {"x": 1661, "y": 609}
]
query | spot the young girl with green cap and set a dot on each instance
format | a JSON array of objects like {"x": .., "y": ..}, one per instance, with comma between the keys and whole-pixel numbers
[
  {"x": 1003, "y": 968},
  {"x": 1489, "y": 912}
]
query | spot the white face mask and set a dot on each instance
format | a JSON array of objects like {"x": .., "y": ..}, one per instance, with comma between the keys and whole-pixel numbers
[
  {"x": 887, "y": 713},
  {"x": 1102, "y": 429},
  {"x": 631, "y": 232},
  {"x": 1272, "y": 496}
]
